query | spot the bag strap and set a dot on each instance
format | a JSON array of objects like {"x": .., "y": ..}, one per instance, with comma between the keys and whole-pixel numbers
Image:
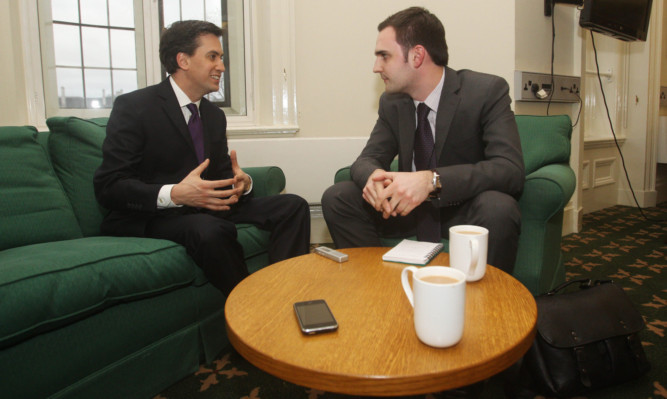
[{"x": 583, "y": 284}]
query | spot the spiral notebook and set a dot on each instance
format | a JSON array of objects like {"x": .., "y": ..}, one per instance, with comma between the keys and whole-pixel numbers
[{"x": 413, "y": 252}]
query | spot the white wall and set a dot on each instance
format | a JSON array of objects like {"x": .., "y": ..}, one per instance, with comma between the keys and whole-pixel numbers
[{"x": 13, "y": 101}]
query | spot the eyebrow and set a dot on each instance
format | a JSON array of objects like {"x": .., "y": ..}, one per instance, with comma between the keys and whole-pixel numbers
[{"x": 382, "y": 52}]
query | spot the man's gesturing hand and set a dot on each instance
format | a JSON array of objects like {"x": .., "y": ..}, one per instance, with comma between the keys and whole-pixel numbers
[
  {"x": 196, "y": 192},
  {"x": 241, "y": 179}
]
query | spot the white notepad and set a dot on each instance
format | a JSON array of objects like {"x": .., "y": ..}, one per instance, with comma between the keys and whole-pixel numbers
[{"x": 413, "y": 252}]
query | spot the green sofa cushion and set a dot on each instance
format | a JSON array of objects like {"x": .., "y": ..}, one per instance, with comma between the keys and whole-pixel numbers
[
  {"x": 33, "y": 206},
  {"x": 75, "y": 146},
  {"x": 544, "y": 140},
  {"x": 46, "y": 286}
]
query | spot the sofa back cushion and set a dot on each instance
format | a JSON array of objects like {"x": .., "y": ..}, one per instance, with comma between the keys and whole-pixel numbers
[
  {"x": 544, "y": 140},
  {"x": 33, "y": 205},
  {"x": 75, "y": 146}
]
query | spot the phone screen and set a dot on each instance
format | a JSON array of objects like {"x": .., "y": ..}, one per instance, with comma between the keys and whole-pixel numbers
[{"x": 315, "y": 316}]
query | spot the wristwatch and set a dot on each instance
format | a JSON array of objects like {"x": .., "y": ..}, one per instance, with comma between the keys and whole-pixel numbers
[{"x": 437, "y": 186}]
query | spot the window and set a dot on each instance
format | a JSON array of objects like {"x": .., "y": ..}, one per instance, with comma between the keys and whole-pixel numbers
[
  {"x": 259, "y": 90},
  {"x": 217, "y": 12},
  {"x": 94, "y": 51}
]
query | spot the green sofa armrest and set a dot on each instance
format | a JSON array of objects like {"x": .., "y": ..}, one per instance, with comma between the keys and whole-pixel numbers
[
  {"x": 546, "y": 191},
  {"x": 266, "y": 180},
  {"x": 545, "y": 194}
]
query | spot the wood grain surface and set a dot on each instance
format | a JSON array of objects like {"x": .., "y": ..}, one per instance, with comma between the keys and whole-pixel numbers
[{"x": 375, "y": 350}]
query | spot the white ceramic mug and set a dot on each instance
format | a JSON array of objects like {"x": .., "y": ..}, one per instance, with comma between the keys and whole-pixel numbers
[
  {"x": 438, "y": 298},
  {"x": 468, "y": 246}
]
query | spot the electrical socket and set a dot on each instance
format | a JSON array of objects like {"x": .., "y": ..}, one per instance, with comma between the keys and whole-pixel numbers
[{"x": 531, "y": 86}]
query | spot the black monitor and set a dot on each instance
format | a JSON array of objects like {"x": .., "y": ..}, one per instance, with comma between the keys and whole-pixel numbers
[{"x": 622, "y": 19}]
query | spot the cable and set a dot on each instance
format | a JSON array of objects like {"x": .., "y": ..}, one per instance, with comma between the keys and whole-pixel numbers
[
  {"x": 553, "y": 40},
  {"x": 581, "y": 105},
  {"x": 611, "y": 125}
]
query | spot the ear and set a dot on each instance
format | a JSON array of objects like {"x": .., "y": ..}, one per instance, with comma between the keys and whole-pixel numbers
[
  {"x": 183, "y": 61},
  {"x": 417, "y": 55}
]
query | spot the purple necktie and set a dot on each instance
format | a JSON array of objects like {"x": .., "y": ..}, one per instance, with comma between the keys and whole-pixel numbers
[
  {"x": 196, "y": 131},
  {"x": 428, "y": 213}
]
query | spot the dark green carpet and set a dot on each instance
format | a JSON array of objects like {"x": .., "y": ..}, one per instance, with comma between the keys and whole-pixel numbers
[{"x": 614, "y": 243}]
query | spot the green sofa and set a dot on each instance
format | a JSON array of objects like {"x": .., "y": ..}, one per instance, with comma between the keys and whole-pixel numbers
[
  {"x": 90, "y": 316},
  {"x": 550, "y": 182}
]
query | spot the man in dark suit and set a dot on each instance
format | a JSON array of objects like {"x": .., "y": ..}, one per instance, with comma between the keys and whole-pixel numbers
[
  {"x": 166, "y": 172},
  {"x": 472, "y": 170}
]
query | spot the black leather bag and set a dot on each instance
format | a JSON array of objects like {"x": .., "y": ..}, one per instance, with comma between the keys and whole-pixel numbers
[{"x": 586, "y": 339}]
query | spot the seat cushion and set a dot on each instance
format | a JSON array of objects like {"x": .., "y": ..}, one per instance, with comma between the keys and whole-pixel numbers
[
  {"x": 33, "y": 205},
  {"x": 46, "y": 286},
  {"x": 75, "y": 146},
  {"x": 544, "y": 140}
]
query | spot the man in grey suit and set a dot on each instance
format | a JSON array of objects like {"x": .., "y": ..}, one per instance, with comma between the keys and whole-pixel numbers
[
  {"x": 166, "y": 171},
  {"x": 462, "y": 165}
]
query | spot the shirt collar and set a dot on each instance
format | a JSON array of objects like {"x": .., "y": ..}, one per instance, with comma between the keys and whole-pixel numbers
[
  {"x": 433, "y": 99},
  {"x": 182, "y": 98}
]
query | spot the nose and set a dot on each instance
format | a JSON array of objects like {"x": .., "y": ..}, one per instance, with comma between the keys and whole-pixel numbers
[
  {"x": 221, "y": 65},
  {"x": 376, "y": 66}
]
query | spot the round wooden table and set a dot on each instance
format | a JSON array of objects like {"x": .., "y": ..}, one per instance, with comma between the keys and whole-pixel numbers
[{"x": 375, "y": 350}]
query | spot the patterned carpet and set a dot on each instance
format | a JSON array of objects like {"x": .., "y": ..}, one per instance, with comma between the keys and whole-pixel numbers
[{"x": 616, "y": 243}]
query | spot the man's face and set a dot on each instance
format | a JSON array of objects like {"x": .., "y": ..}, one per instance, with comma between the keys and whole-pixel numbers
[
  {"x": 204, "y": 68},
  {"x": 391, "y": 64}
]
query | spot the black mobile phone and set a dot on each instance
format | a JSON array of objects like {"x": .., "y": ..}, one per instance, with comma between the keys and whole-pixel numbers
[{"x": 315, "y": 316}]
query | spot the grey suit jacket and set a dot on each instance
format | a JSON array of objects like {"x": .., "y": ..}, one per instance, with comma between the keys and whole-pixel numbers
[{"x": 476, "y": 138}]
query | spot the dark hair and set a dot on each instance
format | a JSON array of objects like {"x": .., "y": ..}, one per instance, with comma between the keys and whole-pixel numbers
[
  {"x": 416, "y": 25},
  {"x": 183, "y": 37}
]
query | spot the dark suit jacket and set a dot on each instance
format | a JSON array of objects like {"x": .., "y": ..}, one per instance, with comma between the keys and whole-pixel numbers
[
  {"x": 477, "y": 141},
  {"x": 148, "y": 145}
]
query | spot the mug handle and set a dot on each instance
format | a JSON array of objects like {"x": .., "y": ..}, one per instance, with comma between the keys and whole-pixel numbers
[
  {"x": 406, "y": 283},
  {"x": 474, "y": 256}
]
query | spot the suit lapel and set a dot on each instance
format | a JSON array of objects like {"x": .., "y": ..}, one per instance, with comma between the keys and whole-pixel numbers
[
  {"x": 449, "y": 101},
  {"x": 174, "y": 113}
]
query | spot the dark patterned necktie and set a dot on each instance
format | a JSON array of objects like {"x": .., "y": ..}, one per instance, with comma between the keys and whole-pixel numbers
[
  {"x": 428, "y": 213},
  {"x": 196, "y": 131}
]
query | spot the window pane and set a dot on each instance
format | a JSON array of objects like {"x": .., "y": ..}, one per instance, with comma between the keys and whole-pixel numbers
[
  {"x": 66, "y": 45},
  {"x": 94, "y": 12},
  {"x": 70, "y": 87},
  {"x": 124, "y": 82},
  {"x": 171, "y": 11},
  {"x": 122, "y": 49},
  {"x": 214, "y": 12},
  {"x": 192, "y": 9},
  {"x": 95, "y": 47},
  {"x": 65, "y": 10},
  {"x": 218, "y": 96},
  {"x": 98, "y": 88},
  {"x": 121, "y": 13}
]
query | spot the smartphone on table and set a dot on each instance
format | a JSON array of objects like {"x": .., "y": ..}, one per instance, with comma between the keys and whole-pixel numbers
[{"x": 315, "y": 317}]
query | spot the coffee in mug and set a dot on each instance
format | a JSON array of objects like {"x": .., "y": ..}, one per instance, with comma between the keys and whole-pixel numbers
[
  {"x": 438, "y": 298},
  {"x": 468, "y": 246},
  {"x": 436, "y": 279}
]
